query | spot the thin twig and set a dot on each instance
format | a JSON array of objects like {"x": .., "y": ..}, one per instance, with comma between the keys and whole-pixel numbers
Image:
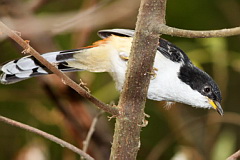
[
  {"x": 235, "y": 156},
  {"x": 91, "y": 131},
  {"x": 46, "y": 135},
  {"x": 164, "y": 29},
  {"x": 66, "y": 80},
  {"x": 76, "y": 19}
]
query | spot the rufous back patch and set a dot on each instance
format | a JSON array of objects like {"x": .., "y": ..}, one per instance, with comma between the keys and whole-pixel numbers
[{"x": 98, "y": 43}]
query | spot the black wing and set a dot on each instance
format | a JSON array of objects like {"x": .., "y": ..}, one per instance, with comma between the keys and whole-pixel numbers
[
  {"x": 172, "y": 52},
  {"x": 168, "y": 49},
  {"x": 118, "y": 32}
]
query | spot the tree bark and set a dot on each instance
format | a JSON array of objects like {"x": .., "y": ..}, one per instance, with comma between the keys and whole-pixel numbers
[{"x": 128, "y": 125}]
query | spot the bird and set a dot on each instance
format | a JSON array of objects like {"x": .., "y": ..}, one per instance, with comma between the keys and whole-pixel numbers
[{"x": 175, "y": 78}]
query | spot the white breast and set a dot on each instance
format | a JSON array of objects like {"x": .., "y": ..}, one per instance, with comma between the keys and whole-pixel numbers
[{"x": 167, "y": 86}]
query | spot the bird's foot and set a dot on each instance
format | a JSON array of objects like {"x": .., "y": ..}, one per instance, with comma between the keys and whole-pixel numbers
[
  {"x": 153, "y": 73},
  {"x": 124, "y": 56}
]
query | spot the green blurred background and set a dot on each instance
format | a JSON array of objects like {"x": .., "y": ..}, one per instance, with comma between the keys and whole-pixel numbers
[{"x": 181, "y": 132}]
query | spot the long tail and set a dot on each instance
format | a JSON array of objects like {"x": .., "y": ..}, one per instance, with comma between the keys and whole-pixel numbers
[{"x": 27, "y": 67}]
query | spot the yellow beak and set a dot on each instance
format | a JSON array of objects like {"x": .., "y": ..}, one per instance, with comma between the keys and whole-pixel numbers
[{"x": 216, "y": 105}]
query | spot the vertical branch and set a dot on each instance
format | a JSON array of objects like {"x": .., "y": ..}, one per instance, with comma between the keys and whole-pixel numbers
[{"x": 128, "y": 125}]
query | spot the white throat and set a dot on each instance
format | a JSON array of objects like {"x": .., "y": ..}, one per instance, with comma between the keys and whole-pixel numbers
[{"x": 167, "y": 85}]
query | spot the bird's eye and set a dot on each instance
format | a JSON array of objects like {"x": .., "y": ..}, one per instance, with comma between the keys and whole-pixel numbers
[{"x": 207, "y": 89}]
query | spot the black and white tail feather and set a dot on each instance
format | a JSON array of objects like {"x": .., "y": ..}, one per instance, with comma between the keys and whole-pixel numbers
[{"x": 27, "y": 67}]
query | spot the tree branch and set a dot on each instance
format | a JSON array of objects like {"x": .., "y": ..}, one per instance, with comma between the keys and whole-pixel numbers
[
  {"x": 91, "y": 131},
  {"x": 128, "y": 125},
  {"x": 164, "y": 29},
  {"x": 47, "y": 136},
  {"x": 66, "y": 80}
]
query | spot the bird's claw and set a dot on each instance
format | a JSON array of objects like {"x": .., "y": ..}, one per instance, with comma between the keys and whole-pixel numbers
[
  {"x": 144, "y": 123},
  {"x": 124, "y": 56},
  {"x": 153, "y": 73}
]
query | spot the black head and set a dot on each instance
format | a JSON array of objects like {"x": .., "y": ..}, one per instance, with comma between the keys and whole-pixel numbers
[
  {"x": 197, "y": 79},
  {"x": 200, "y": 81}
]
